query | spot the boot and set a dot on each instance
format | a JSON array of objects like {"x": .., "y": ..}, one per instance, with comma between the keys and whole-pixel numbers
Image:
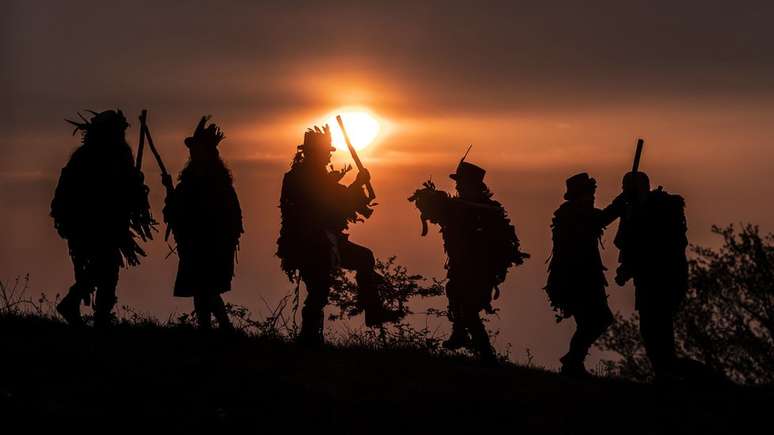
[
  {"x": 311, "y": 335},
  {"x": 70, "y": 308},
  {"x": 203, "y": 315},
  {"x": 488, "y": 357},
  {"x": 221, "y": 315},
  {"x": 224, "y": 324},
  {"x": 574, "y": 368},
  {"x": 204, "y": 321},
  {"x": 103, "y": 305},
  {"x": 480, "y": 341},
  {"x": 458, "y": 339},
  {"x": 368, "y": 297},
  {"x": 103, "y": 319}
]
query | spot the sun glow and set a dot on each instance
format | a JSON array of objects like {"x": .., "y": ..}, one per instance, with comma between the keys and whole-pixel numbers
[{"x": 362, "y": 127}]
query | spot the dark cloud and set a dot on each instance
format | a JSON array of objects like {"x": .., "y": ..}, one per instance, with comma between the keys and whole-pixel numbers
[{"x": 446, "y": 55}]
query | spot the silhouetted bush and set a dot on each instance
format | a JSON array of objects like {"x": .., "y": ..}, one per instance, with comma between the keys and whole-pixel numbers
[
  {"x": 397, "y": 289},
  {"x": 16, "y": 300},
  {"x": 727, "y": 321}
]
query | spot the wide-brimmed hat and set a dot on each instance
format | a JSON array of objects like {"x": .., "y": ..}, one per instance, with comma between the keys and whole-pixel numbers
[
  {"x": 468, "y": 173},
  {"x": 579, "y": 184},
  {"x": 209, "y": 136},
  {"x": 317, "y": 139}
]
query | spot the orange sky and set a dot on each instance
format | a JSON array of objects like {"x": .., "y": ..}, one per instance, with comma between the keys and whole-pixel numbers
[{"x": 541, "y": 92}]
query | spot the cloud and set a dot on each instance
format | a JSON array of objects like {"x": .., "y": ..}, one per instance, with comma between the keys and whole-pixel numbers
[
  {"x": 22, "y": 189},
  {"x": 440, "y": 57}
]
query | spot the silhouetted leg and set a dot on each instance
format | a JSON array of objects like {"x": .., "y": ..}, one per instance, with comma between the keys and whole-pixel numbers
[
  {"x": 478, "y": 334},
  {"x": 580, "y": 343},
  {"x": 459, "y": 335},
  {"x": 591, "y": 322},
  {"x": 361, "y": 260},
  {"x": 105, "y": 272},
  {"x": 317, "y": 284},
  {"x": 84, "y": 284},
  {"x": 70, "y": 305},
  {"x": 657, "y": 330},
  {"x": 203, "y": 312},
  {"x": 464, "y": 291},
  {"x": 219, "y": 310}
]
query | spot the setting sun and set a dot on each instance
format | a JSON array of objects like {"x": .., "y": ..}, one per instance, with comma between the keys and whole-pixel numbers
[{"x": 361, "y": 126}]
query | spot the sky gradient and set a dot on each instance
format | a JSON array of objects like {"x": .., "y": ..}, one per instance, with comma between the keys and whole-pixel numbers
[{"x": 542, "y": 91}]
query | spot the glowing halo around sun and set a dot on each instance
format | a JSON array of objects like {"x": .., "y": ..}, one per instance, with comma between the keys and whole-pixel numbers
[{"x": 363, "y": 128}]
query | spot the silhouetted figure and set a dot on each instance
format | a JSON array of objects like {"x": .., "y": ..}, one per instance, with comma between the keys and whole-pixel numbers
[
  {"x": 481, "y": 245},
  {"x": 100, "y": 207},
  {"x": 652, "y": 240},
  {"x": 205, "y": 217},
  {"x": 576, "y": 280},
  {"x": 316, "y": 210}
]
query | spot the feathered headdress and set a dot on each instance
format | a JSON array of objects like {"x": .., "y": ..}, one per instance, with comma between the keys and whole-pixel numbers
[
  {"x": 103, "y": 120},
  {"x": 317, "y": 139},
  {"x": 209, "y": 136}
]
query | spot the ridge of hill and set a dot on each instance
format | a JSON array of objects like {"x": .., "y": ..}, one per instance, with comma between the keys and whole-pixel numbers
[{"x": 155, "y": 378}]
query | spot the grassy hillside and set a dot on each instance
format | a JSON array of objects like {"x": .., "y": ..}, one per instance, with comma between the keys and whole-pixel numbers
[{"x": 152, "y": 378}]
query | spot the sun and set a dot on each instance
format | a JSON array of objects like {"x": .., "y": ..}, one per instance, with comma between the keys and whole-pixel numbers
[{"x": 363, "y": 128}]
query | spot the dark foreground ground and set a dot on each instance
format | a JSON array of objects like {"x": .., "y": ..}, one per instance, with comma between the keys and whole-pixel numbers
[{"x": 172, "y": 380}]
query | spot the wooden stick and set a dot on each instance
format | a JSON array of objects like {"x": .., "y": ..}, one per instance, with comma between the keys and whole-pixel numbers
[
  {"x": 637, "y": 155},
  {"x": 141, "y": 146},
  {"x": 353, "y": 152}
]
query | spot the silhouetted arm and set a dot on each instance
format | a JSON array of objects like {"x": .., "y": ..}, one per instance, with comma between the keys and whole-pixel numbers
[
  {"x": 59, "y": 204},
  {"x": 172, "y": 208},
  {"x": 623, "y": 272},
  {"x": 612, "y": 212},
  {"x": 235, "y": 211}
]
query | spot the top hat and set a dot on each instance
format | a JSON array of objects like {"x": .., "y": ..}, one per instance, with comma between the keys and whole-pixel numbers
[
  {"x": 468, "y": 173},
  {"x": 579, "y": 184},
  {"x": 317, "y": 139}
]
